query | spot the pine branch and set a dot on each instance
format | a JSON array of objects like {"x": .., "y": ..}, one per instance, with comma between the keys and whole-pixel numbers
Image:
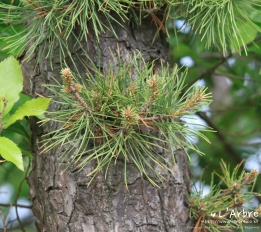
[
  {"x": 228, "y": 148},
  {"x": 216, "y": 210},
  {"x": 211, "y": 70},
  {"x": 235, "y": 77},
  {"x": 220, "y": 23},
  {"x": 118, "y": 106}
]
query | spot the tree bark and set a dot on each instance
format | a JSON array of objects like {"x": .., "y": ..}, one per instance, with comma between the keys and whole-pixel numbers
[{"x": 61, "y": 200}]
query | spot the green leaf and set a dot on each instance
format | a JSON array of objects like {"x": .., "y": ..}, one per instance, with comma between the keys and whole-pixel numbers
[
  {"x": 34, "y": 107},
  {"x": 17, "y": 128},
  {"x": 11, "y": 82},
  {"x": 22, "y": 99},
  {"x": 27, "y": 153},
  {"x": 10, "y": 152}
]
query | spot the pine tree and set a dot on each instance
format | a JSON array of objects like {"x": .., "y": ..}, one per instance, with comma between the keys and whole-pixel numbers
[{"x": 116, "y": 101}]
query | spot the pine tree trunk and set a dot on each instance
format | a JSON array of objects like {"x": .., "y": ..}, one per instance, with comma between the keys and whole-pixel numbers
[{"x": 61, "y": 200}]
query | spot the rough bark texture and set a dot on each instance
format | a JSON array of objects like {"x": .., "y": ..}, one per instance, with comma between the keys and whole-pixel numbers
[{"x": 62, "y": 202}]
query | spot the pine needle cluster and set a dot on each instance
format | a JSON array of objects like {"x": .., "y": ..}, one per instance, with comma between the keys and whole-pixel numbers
[
  {"x": 227, "y": 208},
  {"x": 221, "y": 23},
  {"x": 50, "y": 23},
  {"x": 119, "y": 115}
]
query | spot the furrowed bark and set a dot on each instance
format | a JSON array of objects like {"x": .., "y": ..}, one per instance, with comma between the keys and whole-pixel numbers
[{"x": 61, "y": 200}]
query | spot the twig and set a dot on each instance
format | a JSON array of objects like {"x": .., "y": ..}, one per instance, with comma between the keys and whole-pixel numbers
[
  {"x": 222, "y": 61},
  {"x": 211, "y": 70},
  {"x": 231, "y": 109},
  {"x": 228, "y": 148},
  {"x": 17, "y": 205},
  {"x": 15, "y": 228},
  {"x": 17, "y": 195},
  {"x": 236, "y": 77},
  {"x": 4, "y": 218}
]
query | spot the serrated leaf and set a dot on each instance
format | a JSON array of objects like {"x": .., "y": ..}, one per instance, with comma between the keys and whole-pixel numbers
[
  {"x": 34, "y": 107},
  {"x": 22, "y": 99},
  {"x": 10, "y": 152},
  {"x": 11, "y": 80}
]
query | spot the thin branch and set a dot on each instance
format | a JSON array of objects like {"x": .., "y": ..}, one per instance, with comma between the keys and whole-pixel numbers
[
  {"x": 210, "y": 71},
  {"x": 228, "y": 148},
  {"x": 4, "y": 218},
  {"x": 231, "y": 109},
  {"x": 238, "y": 134},
  {"x": 249, "y": 144},
  {"x": 27, "y": 223},
  {"x": 17, "y": 195},
  {"x": 236, "y": 77},
  {"x": 222, "y": 61},
  {"x": 17, "y": 205},
  {"x": 210, "y": 55}
]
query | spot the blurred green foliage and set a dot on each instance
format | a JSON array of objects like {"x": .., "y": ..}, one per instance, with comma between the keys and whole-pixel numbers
[
  {"x": 235, "y": 113},
  {"x": 236, "y": 109},
  {"x": 7, "y": 30},
  {"x": 19, "y": 132}
]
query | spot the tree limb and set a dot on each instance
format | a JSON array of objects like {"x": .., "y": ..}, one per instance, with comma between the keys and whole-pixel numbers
[
  {"x": 228, "y": 148},
  {"x": 16, "y": 205},
  {"x": 222, "y": 61},
  {"x": 17, "y": 195}
]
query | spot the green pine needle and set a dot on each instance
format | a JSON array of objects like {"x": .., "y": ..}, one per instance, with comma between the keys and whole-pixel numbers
[
  {"x": 221, "y": 23},
  {"x": 223, "y": 209},
  {"x": 129, "y": 115},
  {"x": 51, "y": 23}
]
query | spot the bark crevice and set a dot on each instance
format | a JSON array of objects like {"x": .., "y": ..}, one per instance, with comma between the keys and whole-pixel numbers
[{"x": 61, "y": 200}]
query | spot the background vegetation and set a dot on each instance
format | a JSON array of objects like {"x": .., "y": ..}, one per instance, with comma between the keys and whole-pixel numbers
[
  {"x": 235, "y": 112},
  {"x": 233, "y": 79}
]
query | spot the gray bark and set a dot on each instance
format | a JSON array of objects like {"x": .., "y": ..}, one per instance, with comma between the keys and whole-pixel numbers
[{"x": 61, "y": 200}]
